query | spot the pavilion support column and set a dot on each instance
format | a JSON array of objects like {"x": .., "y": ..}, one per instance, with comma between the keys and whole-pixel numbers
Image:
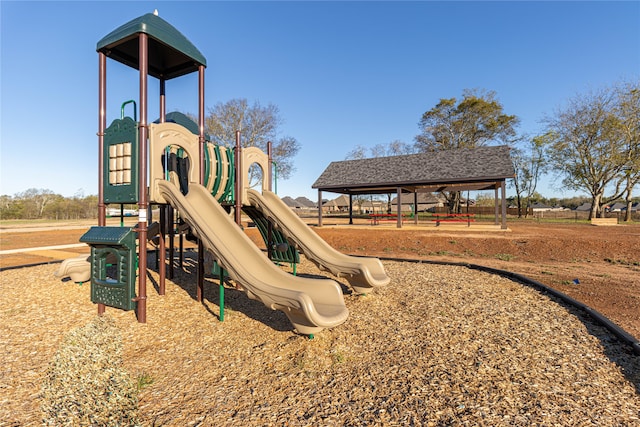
[
  {"x": 319, "y": 208},
  {"x": 497, "y": 206},
  {"x": 503, "y": 188},
  {"x": 399, "y": 210},
  {"x": 415, "y": 207},
  {"x": 350, "y": 209}
]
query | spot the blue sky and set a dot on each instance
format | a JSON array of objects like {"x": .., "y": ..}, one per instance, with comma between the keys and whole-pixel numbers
[{"x": 342, "y": 73}]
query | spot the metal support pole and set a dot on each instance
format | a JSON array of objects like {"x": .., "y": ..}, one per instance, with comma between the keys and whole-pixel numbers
[
  {"x": 415, "y": 207},
  {"x": 162, "y": 254},
  {"x": 239, "y": 179},
  {"x": 172, "y": 234},
  {"x": 399, "y": 210},
  {"x": 102, "y": 125},
  {"x": 495, "y": 221},
  {"x": 163, "y": 101},
  {"x": 270, "y": 171},
  {"x": 221, "y": 287},
  {"x": 504, "y": 204},
  {"x": 269, "y": 184},
  {"x": 142, "y": 179},
  {"x": 200, "y": 290},
  {"x": 350, "y": 209},
  {"x": 319, "y": 208},
  {"x": 468, "y": 217}
]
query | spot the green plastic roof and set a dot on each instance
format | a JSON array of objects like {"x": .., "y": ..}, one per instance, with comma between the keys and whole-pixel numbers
[{"x": 171, "y": 54}]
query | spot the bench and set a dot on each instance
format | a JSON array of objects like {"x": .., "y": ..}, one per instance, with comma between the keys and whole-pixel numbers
[
  {"x": 604, "y": 221},
  {"x": 453, "y": 217},
  {"x": 378, "y": 218}
]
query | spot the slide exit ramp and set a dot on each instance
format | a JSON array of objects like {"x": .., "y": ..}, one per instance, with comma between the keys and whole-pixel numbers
[
  {"x": 310, "y": 304},
  {"x": 363, "y": 273}
]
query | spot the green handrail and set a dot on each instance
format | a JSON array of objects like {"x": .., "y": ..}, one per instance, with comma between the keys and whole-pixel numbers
[{"x": 135, "y": 108}]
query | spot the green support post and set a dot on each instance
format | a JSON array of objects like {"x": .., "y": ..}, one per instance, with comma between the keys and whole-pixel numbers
[{"x": 221, "y": 294}]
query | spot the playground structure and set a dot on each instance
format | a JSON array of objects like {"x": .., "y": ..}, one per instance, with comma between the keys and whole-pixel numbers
[{"x": 170, "y": 163}]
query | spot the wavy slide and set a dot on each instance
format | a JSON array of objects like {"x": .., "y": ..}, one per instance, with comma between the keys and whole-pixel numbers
[
  {"x": 310, "y": 304},
  {"x": 363, "y": 273}
]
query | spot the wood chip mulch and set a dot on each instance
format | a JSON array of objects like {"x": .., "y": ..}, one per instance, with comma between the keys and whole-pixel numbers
[{"x": 441, "y": 345}]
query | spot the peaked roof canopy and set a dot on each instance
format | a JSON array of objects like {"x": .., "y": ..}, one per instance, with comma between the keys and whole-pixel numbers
[
  {"x": 479, "y": 168},
  {"x": 170, "y": 53}
]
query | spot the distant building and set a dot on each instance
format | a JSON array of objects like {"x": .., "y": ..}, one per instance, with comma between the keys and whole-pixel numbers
[
  {"x": 617, "y": 207},
  {"x": 306, "y": 202},
  {"x": 426, "y": 201},
  {"x": 541, "y": 207}
]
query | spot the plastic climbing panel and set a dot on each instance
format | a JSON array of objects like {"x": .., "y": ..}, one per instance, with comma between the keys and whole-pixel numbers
[{"x": 120, "y": 162}]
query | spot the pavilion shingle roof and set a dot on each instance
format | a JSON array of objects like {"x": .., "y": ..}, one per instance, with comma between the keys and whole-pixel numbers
[{"x": 440, "y": 167}]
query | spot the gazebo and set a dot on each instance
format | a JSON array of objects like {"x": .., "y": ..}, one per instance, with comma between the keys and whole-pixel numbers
[{"x": 468, "y": 169}]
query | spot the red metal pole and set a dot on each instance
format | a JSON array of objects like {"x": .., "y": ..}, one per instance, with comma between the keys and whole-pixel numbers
[
  {"x": 238, "y": 183},
  {"x": 163, "y": 101},
  {"x": 142, "y": 170},
  {"x": 171, "y": 223},
  {"x": 102, "y": 125},
  {"x": 270, "y": 186},
  {"x": 201, "y": 119},
  {"x": 399, "y": 211},
  {"x": 270, "y": 171},
  {"x": 200, "y": 289}
]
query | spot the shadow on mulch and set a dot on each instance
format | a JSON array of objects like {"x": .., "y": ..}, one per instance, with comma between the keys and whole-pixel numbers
[{"x": 236, "y": 300}]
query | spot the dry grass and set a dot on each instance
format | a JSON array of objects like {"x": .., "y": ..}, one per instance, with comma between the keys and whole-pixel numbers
[
  {"x": 441, "y": 345},
  {"x": 86, "y": 383}
]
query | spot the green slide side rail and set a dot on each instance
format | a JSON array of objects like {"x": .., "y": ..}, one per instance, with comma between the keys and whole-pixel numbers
[{"x": 291, "y": 255}]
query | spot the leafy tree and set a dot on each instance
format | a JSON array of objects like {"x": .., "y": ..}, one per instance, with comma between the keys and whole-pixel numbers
[
  {"x": 35, "y": 200},
  {"x": 11, "y": 208},
  {"x": 39, "y": 203},
  {"x": 529, "y": 163},
  {"x": 258, "y": 125},
  {"x": 475, "y": 120},
  {"x": 588, "y": 149}
]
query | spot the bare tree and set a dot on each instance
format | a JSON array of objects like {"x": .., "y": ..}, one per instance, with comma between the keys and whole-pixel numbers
[
  {"x": 628, "y": 112},
  {"x": 587, "y": 149},
  {"x": 258, "y": 125},
  {"x": 529, "y": 163}
]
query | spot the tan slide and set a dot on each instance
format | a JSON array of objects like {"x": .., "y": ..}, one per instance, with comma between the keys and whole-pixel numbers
[
  {"x": 310, "y": 304},
  {"x": 363, "y": 273},
  {"x": 78, "y": 269}
]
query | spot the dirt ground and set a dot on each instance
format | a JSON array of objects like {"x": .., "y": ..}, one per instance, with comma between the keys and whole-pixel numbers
[{"x": 605, "y": 260}]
